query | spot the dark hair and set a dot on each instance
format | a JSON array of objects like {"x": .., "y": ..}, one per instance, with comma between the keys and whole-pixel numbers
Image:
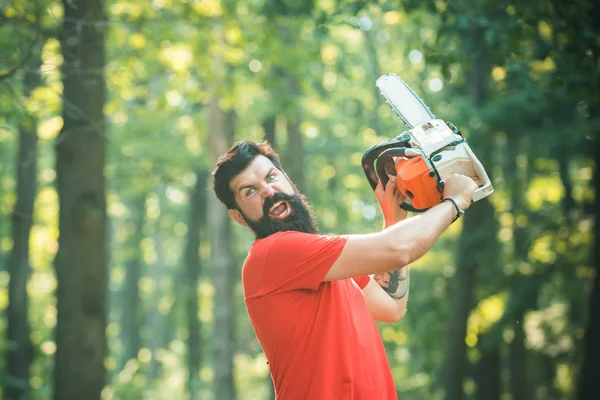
[{"x": 236, "y": 160}]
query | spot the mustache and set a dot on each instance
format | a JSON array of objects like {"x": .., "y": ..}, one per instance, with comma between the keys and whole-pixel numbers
[
  {"x": 272, "y": 200},
  {"x": 300, "y": 217}
]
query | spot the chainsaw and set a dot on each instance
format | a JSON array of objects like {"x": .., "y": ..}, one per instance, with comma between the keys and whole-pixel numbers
[{"x": 425, "y": 155}]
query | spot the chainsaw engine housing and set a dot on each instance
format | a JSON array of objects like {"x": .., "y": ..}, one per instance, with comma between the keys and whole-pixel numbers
[{"x": 422, "y": 158}]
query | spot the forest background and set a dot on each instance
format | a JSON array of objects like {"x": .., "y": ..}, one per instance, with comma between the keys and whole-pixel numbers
[{"x": 120, "y": 272}]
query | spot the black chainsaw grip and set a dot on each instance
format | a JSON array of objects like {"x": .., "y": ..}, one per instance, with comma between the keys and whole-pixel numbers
[
  {"x": 371, "y": 164},
  {"x": 370, "y": 156},
  {"x": 387, "y": 157}
]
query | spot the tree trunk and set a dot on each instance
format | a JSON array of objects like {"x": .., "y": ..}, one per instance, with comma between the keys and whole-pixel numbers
[
  {"x": 269, "y": 124},
  {"x": 294, "y": 160},
  {"x": 487, "y": 372},
  {"x": 222, "y": 269},
  {"x": 197, "y": 218},
  {"x": 519, "y": 382},
  {"x": 544, "y": 376},
  {"x": 477, "y": 244},
  {"x": 461, "y": 301},
  {"x": 518, "y": 180},
  {"x": 156, "y": 274},
  {"x": 81, "y": 264},
  {"x": 375, "y": 74},
  {"x": 131, "y": 318},
  {"x": 20, "y": 352},
  {"x": 589, "y": 382}
]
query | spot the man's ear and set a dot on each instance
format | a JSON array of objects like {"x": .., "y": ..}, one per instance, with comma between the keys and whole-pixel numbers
[{"x": 237, "y": 217}]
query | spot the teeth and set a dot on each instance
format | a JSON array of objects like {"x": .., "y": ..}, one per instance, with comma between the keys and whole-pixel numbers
[{"x": 275, "y": 206}]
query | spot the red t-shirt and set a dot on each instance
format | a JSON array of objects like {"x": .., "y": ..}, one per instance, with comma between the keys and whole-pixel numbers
[{"x": 319, "y": 338}]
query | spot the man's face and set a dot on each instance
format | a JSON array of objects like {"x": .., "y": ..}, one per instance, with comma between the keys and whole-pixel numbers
[{"x": 267, "y": 202}]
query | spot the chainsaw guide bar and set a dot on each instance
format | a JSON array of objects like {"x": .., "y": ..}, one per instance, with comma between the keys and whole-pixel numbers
[{"x": 404, "y": 101}]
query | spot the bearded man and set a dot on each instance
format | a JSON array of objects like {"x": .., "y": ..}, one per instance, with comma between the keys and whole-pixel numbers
[{"x": 313, "y": 299}]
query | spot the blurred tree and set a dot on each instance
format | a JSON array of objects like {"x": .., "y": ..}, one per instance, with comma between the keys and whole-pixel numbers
[
  {"x": 294, "y": 156},
  {"x": 157, "y": 274},
  {"x": 517, "y": 177},
  {"x": 477, "y": 245},
  {"x": 269, "y": 126},
  {"x": 81, "y": 264},
  {"x": 131, "y": 320},
  {"x": 487, "y": 371},
  {"x": 221, "y": 265},
  {"x": 20, "y": 350},
  {"x": 196, "y": 221},
  {"x": 578, "y": 25},
  {"x": 589, "y": 384},
  {"x": 375, "y": 73}
]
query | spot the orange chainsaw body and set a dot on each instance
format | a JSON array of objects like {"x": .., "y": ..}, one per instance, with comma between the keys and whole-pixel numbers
[{"x": 417, "y": 182}]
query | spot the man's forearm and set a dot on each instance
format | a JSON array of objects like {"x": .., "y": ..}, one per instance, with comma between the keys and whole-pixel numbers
[
  {"x": 414, "y": 236},
  {"x": 395, "y": 247}
]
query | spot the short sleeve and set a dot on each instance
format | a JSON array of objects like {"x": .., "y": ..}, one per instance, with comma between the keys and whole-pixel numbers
[
  {"x": 297, "y": 260},
  {"x": 362, "y": 281}
]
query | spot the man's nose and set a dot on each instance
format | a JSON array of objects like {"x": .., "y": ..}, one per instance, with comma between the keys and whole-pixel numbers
[{"x": 268, "y": 191}]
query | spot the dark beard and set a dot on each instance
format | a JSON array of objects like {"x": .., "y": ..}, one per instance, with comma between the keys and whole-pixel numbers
[{"x": 300, "y": 218}]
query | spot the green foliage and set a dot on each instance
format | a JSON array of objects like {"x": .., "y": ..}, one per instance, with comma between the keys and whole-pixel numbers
[{"x": 310, "y": 61}]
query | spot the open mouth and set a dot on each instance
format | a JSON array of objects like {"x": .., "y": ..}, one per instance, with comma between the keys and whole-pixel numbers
[{"x": 279, "y": 210}]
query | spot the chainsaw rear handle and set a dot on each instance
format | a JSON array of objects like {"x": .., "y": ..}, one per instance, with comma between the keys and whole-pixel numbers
[{"x": 487, "y": 187}]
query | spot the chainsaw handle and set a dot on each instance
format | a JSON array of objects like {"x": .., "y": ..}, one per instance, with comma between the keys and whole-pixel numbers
[
  {"x": 387, "y": 155},
  {"x": 370, "y": 156},
  {"x": 487, "y": 187}
]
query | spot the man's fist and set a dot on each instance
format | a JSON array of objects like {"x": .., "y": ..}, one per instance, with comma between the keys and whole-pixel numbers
[{"x": 461, "y": 189}]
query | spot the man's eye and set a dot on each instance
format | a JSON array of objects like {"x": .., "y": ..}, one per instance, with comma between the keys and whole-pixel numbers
[
  {"x": 250, "y": 192},
  {"x": 271, "y": 177}
]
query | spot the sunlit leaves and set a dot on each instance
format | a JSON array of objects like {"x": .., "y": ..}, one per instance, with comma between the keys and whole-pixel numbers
[
  {"x": 4, "y": 278},
  {"x": 543, "y": 250},
  {"x": 178, "y": 56},
  {"x": 485, "y": 314},
  {"x": 545, "y": 66},
  {"x": 49, "y": 129},
  {"x": 137, "y": 41},
  {"x": 545, "y": 30},
  {"x": 542, "y": 189},
  {"x": 52, "y": 60},
  {"x": 498, "y": 73},
  {"x": 329, "y": 53},
  {"x": 395, "y": 335},
  {"x": 208, "y": 8},
  {"x": 251, "y": 372},
  {"x": 130, "y": 9}
]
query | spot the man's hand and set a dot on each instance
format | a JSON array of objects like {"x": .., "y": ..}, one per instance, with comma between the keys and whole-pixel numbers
[
  {"x": 461, "y": 189},
  {"x": 389, "y": 199}
]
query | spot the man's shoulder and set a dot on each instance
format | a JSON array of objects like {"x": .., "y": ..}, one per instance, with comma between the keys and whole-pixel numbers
[
  {"x": 260, "y": 247},
  {"x": 275, "y": 245},
  {"x": 287, "y": 237}
]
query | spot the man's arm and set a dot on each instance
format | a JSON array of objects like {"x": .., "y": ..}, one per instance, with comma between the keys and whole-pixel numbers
[
  {"x": 382, "y": 307},
  {"x": 387, "y": 298},
  {"x": 403, "y": 242},
  {"x": 394, "y": 247}
]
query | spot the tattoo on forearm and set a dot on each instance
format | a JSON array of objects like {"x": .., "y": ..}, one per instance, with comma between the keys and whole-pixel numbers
[{"x": 395, "y": 283}]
